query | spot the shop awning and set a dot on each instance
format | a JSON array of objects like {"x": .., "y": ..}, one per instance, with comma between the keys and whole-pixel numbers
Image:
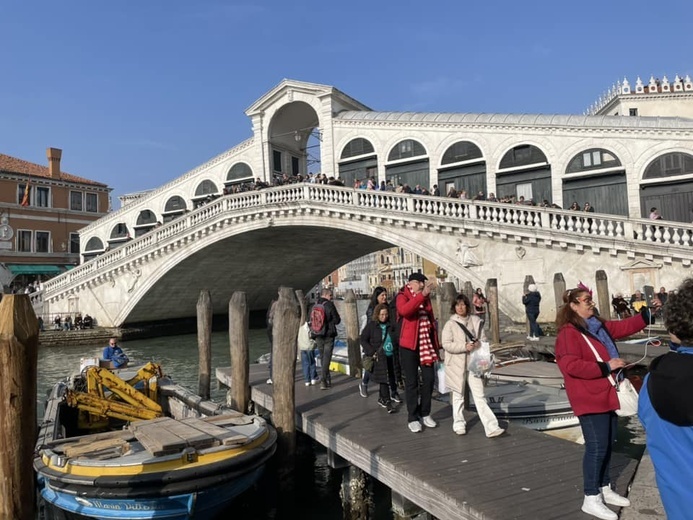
[{"x": 18, "y": 269}]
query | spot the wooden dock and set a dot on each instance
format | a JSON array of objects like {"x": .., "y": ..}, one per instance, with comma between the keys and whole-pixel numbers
[{"x": 523, "y": 474}]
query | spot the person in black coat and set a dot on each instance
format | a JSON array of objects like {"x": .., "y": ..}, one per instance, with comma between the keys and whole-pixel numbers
[
  {"x": 377, "y": 340},
  {"x": 531, "y": 300}
]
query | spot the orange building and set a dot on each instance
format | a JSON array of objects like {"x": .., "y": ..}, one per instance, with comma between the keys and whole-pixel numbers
[{"x": 41, "y": 210}]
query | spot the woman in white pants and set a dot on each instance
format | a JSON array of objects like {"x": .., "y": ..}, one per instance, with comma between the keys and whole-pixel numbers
[{"x": 458, "y": 343}]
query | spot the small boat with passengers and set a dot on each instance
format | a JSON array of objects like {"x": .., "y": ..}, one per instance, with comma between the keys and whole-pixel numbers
[{"x": 131, "y": 443}]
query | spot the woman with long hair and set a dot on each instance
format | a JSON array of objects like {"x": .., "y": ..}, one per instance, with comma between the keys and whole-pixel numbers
[
  {"x": 590, "y": 391},
  {"x": 378, "y": 297},
  {"x": 463, "y": 334},
  {"x": 479, "y": 302},
  {"x": 377, "y": 342}
]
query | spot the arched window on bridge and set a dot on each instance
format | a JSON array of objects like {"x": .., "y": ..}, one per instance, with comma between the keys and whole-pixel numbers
[
  {"x": 668, "y": 186},
  {"x": 205, "y": 192},
  {"x": 596, "y": 176},
  {"x": 408, "y": 164},
  {"x": 93, "y": 248},
  {"x": 119, "y": 235},
  {"x": 358, "y": 161},
  {"x": 174, "y": 208},
  {"x": 524, "y": 171},
  {"x": 146, "y": 221},
  {"x": 239, "y": 178},
  {"x": 463, "y": 168}
]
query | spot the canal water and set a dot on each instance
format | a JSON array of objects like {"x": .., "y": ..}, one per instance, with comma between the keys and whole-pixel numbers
[{"x": 317, "y": 486}]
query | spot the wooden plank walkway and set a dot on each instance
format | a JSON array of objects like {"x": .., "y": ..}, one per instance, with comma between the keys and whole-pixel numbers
[{"x": 521, "y": 475}]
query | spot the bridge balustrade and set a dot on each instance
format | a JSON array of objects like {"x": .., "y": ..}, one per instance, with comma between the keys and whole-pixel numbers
[{"x": 654, "y": 236}]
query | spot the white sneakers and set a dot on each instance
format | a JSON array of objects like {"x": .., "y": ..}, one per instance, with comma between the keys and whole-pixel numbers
[
  {"x": 611, "y": 497},
  {"x": 593, "y": 505},
  {"x": 429, "y": 422},
  {"x": 532, "y": 338},
  {"x": 460, "y": 430},
  {"x": 496, "y": 433},
  {"x": 415, "y": 426}
]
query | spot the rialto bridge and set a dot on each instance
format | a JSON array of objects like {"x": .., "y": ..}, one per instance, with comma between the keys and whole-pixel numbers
[
  {"x": 294, "y": 235},
  {"x": 149, "y": 259}
]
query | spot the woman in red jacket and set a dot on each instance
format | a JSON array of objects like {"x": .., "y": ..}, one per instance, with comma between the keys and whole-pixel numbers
[{"x": 591, "y": 394}]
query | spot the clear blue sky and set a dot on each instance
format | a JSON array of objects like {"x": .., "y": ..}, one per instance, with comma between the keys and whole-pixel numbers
[{"x": 136, "y": 93}]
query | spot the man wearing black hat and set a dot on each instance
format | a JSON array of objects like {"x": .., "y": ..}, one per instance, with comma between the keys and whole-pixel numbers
[{"x": 418, "y": 349}]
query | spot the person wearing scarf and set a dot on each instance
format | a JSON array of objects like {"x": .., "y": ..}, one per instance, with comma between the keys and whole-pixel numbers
[
  {"x": 418, "y": 350},
  {"x": 593, "y": 398}
]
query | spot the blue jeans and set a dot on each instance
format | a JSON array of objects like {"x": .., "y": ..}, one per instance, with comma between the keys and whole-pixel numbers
[
  {"x": 599, "y": 431},
  {"x": 534, "y": 328},
  {"x": 310, "y": 372}
]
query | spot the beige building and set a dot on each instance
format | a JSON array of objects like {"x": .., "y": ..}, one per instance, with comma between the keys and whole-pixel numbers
[
  {"x": 657, "y": 98},
  {"x": 41, "y": 211}
]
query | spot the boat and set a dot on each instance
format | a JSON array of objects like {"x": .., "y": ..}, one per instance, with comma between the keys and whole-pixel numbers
[
  {"x": 535, "y": 406},
  {"x": 133, "y": 444}
]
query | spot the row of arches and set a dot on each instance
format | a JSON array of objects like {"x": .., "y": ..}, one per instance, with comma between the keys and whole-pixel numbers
[
  {"x": 593, "y": 175},
  {"x": 522, "y": 171}
]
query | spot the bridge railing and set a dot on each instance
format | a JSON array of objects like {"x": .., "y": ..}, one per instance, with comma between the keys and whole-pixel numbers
[{"x": 655, "y": 236}]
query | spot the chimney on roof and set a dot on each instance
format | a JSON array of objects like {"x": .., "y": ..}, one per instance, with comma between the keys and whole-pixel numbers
[{"x": 54, "y": 155}]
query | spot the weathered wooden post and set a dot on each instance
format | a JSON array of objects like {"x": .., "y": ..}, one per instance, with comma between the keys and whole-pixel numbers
[
  {"x": 558, "y": 289},
  {"x": 284, "y": 339},
  {"x": 239, "y": 392},
  {"x": 204, "y": 342},
  {"x": 603, "y": 299},
  {"x": 468, "y": 290},
  {"x": 493, "y": 314},
  {"x": 446, "y": 296},
  {"x": 303, "y": 304},
  {"x": 18, "y": 359},
  {"x": 351, "y": 321},
  {"x": 529, "y": 280}
]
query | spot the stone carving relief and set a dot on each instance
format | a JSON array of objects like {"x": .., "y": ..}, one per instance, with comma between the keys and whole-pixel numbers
[
  {"x": 520, "y": 252},
  {"x": 465, "y": 256},
  {"x": 134, "y": 276}
]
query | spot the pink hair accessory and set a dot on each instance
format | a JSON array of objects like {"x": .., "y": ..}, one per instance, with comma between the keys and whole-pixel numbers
[{"x": 583, "y": 287}]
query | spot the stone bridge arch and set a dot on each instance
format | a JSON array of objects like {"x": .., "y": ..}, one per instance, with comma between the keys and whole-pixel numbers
[{"x": 297, "y": 234}]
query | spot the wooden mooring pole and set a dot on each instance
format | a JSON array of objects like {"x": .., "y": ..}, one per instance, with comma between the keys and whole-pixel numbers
[
  {"x": 284, "y": 339},
  {"x": 238, "y": 396},
  {"x": 18, "y": 359},
  {"x": 204, "y": 342},
  {"x": 603, "y": 298},
  {"x": 493, "y": 314},
  {"x": 351, "y": 320}
]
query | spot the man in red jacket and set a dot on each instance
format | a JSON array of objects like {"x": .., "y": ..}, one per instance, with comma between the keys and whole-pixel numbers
[{"x": 418, "y": 349}]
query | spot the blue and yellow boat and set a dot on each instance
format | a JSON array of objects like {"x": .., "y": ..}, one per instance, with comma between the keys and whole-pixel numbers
[{"x": 135, "y": 445}]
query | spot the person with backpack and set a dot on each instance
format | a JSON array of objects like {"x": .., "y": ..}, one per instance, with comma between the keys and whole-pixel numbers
[{"x": 324, "y": 319}]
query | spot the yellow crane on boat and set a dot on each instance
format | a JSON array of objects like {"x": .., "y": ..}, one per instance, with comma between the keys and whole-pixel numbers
[{"x": 108, "y": 396}]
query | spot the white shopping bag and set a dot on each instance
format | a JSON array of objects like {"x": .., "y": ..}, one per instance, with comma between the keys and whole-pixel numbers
[{"x": 440, "y": 375}]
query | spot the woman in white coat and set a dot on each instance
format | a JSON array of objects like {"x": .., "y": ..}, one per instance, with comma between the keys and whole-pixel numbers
[{"x": 458, "y": 343}]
